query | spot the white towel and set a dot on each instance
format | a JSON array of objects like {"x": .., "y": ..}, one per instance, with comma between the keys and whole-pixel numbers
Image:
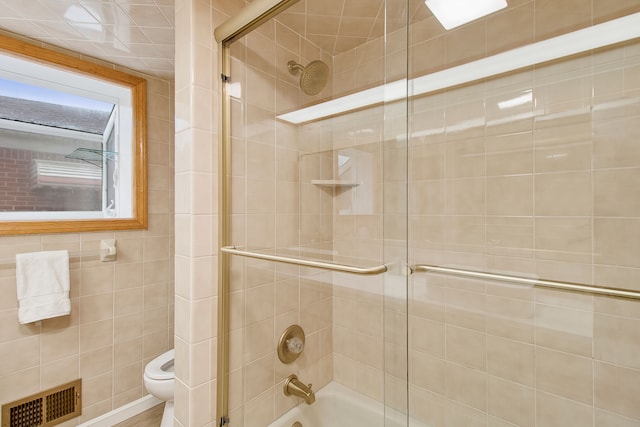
[{"x": 42, "y": 280}]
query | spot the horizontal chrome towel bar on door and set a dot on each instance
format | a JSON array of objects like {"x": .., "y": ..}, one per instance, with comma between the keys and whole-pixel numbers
[
  {"x": 363, "y": 271},
  {"x": 577, "y": 287}
]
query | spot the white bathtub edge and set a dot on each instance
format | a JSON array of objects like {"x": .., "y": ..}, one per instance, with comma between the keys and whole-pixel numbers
[
  {"x": 381, "y": 413},
  {"x": 123, "y": 413}
]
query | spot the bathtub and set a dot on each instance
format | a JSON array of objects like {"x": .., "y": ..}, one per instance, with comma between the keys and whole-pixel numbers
[{"x": 339, "y": 406}]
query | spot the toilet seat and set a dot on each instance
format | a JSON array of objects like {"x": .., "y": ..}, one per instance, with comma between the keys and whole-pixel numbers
[{"x": 161, "y": 368}]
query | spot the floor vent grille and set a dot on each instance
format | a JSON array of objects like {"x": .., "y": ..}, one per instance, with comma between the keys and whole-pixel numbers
[{"x": 46, "y": 408}]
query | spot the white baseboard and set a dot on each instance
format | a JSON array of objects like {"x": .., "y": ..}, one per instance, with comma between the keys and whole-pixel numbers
[{"x": 123, "y": 413}]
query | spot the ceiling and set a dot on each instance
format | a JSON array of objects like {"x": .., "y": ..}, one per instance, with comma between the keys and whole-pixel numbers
[
  {"x": 139, "y": 34},
  {"x": 337, "y": 26}
]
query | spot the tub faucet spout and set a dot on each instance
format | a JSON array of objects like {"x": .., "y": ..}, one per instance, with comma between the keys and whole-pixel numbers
[{"x": 293, "y": 386}]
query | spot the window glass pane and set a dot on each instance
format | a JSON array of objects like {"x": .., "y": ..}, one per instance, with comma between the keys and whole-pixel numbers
[
  {"x": 57, "y": 151},
  {"x": 72, "y": 143}
]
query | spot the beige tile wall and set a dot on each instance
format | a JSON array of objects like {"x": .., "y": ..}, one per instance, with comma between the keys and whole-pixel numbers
[
  {"x": 275, "y": 206},
  {"x": 364, "y": 315},
  {"x": 196, "y": 218},
  {"x": 544, "y": 189},
  {"x": 542, "y": 195},
  {"x": 487, "y": 196},
  {"x": 122, "y": 311}
]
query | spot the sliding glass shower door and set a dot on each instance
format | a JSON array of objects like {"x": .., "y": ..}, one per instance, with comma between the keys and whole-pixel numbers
[
  {"x": 315, "y": 203},
  {"x": 523, "y": 164},
  {"x": 449, "y": 211}
]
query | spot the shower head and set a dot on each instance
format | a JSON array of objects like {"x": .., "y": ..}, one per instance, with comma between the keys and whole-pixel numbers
[{"x": 313, "y": 77}]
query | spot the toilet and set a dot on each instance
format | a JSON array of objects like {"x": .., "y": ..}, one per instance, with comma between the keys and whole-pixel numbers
[{"x": 159, "y": 381}]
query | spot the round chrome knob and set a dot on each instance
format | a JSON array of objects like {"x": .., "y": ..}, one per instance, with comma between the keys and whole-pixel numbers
[{"x": 291, "y": 344}]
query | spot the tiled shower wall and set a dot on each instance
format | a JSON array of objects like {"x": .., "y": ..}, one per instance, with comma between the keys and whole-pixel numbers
[
  {"x": 537, "y": 188},
  {"x": 196, "y": 208},
  {"x": 273, "y": 209},
  {"x": 121, "y": 312},
  {"x": 449, "y": 383},
  {"x": 542, "y": 188}
]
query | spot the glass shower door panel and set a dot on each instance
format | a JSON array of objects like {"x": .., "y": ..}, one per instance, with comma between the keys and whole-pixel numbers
[
  {"x": 395, "y": 225},
  {"x": 522, "y": 161},
  {"x": 313, "y": 181},
  {"x": 266, "y": 217}
]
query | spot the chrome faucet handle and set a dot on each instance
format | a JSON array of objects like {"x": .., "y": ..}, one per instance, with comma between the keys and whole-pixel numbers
[
  {"x": 291, "y": 344},
  {"x": 295, "y": 345}
]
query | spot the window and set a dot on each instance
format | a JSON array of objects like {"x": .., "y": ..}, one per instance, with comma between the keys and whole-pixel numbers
[{"x": 72, "y": 142}]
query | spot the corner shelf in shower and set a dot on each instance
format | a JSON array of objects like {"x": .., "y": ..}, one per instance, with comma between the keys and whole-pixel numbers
[{"x": 334, "y": 183}]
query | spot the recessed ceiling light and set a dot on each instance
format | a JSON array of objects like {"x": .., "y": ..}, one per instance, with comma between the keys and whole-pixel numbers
[{"x": 453, "y": 13}]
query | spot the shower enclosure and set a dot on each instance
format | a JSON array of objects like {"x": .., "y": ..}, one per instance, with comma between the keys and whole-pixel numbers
[{"x": 451, "y": 216}]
